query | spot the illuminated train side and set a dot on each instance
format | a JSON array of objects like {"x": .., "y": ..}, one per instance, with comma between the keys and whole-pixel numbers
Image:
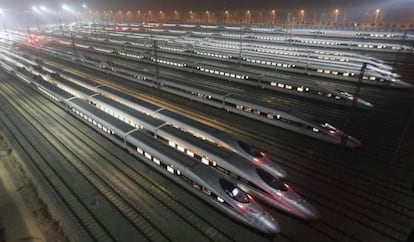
[{"x": 305, "y": 124}]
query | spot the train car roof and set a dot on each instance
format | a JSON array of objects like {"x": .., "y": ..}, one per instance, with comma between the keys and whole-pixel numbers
[
  {"x": 136, "y": 114},
  {"x": 65, "y": 95},
  {"x": 130, "y": 98},
  {"x": 167, "y": 150},
  {"x": 205, "y": 145},
  {"x": 124, "y": 127},
  {"x": 194, "y": 87},
  {"x": 80, "y": 78},
  {"x": 75, "y": 86},
  {"x": 190, "y": 122},
  {"x": 223, "y": 157}
]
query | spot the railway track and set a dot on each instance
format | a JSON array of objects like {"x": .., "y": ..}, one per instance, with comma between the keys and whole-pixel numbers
[
  {"x": 343, "y": 184},
  {"x": 84, "y": 222},
  {"x": 187, "y": 220},
  {"x": 385, "y": 194}
]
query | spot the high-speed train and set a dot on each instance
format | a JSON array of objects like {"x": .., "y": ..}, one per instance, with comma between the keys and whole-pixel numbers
[
  {"x": 303, "y": 124},
  {"x": 305, "y": 89},
  {"x": 205, "y": 132},
  {"x": 218, "y": 190},
  {"x": 315, "y": 62},
  {"x": 301, "y": 30},
  {"x": 259, "y": 182},
  {"x": 357, "y": 40},
  {"x": 376, "y": 73}
]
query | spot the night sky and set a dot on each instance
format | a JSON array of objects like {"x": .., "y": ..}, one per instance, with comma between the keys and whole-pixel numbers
[{"x": 207, "y": 4}]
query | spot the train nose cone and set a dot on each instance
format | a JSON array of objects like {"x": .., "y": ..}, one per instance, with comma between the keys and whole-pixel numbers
[
  {"x": 280, "y": 172},
  {"x": 270, "y": 225},
  {"x": 352, "y": 142},
  {"x": 365, "y": 104},
  {"x": 310, "y": 212}
]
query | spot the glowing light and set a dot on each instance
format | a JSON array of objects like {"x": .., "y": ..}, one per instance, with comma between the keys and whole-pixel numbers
[
  {"x": 241, "y": 207},
  {"x": 84, "y": 6},
  {"x": 35, "y": 9},
  {"x": 1, "y": 11}
]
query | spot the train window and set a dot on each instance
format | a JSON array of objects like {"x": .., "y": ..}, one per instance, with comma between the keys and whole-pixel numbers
[
  {"x": 315, "y": 129},
  {"x": 156, "y": 161},
  {"x": 233, "y": 191},
  {"x": 240, "y": 107},
  {"x": 105, "y": 129},
  {"x": 190, "y": 153},
  {"x": 271, "y": 180},
  {"x": 255, "y": 111},
  {"x": 300, "y": 89},
  {"x": 206, "y": 191},
  {"x": 220, "y": 199},
  {"x": 248, "y": 109},
  {"x": 171, "y": 144},
  {"x": 273, "y": 83},
  {"x": 139, "y": 150},
  {"x": 195, "y": 185},
  {"x": 269, "y": 116},
  {"x": 170, "y": 169},
  {"x": 148, "y": 155},
  {"x": 180, "y": 148}
]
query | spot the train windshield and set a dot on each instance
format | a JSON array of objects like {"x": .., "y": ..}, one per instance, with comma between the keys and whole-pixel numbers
[
  {"x": 271, "y": 180},
  {"x": 233, "y": 191},
  {"x": 251, "y": 150}
]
